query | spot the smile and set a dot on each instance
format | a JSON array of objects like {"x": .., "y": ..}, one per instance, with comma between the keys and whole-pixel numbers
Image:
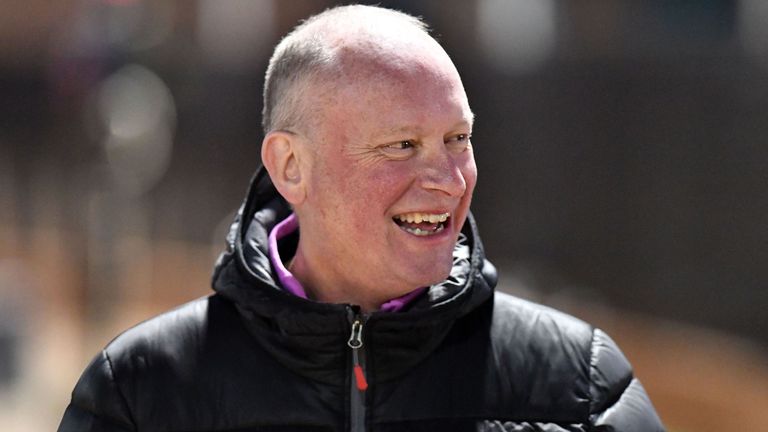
[{"x": 422, "y": 224}]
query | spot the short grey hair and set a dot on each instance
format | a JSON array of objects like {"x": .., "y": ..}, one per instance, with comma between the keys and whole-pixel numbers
[{"x": 308, "y": 54}]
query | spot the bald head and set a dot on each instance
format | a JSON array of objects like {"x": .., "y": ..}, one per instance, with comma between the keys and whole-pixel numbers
[{"x": 341, "y": 45}]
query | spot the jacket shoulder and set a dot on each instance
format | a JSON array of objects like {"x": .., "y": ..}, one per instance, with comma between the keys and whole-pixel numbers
[
  {"x": 533, "y": 328},
  {"x": 97, "y": 404},
  {"x": 569, "y": 364},
  {"x": 167, "y": 334},
  {"x": 177, "y": 349},
  {"x": 103, "y": 397},
  {"x": 542, "y": 356}
]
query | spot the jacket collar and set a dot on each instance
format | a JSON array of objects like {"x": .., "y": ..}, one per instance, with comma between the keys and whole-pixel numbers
[{"x": 290, "y": 327}]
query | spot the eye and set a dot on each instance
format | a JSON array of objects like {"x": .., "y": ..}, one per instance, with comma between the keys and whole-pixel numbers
[
  {"x": 399, "y": 149},
  {"x": 401, "y": 145},
  {"x": 459, "y": 142}
]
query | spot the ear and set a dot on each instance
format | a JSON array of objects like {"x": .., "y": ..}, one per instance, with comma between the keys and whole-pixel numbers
[{"x": 280, "y": 153}]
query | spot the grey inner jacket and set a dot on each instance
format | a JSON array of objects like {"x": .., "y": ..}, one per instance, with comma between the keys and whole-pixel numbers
[{"x": 251, "y": 357}]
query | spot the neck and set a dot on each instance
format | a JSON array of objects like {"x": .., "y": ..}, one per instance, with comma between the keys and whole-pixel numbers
[{"x": 329, "y": 287}]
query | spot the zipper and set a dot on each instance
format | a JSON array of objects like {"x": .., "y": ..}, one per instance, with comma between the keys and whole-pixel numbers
[{"x": 358, "y": 382}]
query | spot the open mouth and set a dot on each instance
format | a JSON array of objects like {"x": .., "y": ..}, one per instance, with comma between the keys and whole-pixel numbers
[{"x": 422, "y": 224}]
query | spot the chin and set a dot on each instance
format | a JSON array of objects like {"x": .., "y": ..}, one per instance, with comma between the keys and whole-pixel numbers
[{"x": 430, "y": 274}]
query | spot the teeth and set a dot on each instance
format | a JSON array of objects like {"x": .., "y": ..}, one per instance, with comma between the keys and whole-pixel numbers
[
  {"x": 423, "y": 217},
  {"x": 421, "y": 233}
]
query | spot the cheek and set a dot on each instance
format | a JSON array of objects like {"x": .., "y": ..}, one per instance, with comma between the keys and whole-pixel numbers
[
  {"x": 375, "y": 186},
  {"x": 370, "y": 195},
  {"x": 352, "y": 194}
]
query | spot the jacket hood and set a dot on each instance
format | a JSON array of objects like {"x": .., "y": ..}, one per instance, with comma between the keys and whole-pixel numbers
[{"x": 291, "y": 326}]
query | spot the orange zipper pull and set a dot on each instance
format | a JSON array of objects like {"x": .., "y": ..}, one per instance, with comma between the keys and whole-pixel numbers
[
  {"x": 362, "y": 384},
  {"x": 356, "y": 342}
]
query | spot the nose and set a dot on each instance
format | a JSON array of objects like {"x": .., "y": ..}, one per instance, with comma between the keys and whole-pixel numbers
[{"x": 442, "y": 172}]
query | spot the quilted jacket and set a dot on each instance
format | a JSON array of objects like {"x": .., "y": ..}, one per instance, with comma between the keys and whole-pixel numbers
[{"x": 252, "y": 357}]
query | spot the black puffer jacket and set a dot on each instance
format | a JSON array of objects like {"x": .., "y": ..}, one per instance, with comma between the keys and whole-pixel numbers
[{"x": 253, "y": 358}]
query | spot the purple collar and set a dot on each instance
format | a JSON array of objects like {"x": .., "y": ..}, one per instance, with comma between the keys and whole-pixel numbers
[{"x": 293, "y": 286}]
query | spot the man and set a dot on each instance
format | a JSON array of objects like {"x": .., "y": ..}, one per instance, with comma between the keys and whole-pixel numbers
[{"x": 354, "y": 294}]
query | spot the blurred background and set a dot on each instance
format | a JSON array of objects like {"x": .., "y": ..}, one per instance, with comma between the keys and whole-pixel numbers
[{"x": 621, "y": 148}]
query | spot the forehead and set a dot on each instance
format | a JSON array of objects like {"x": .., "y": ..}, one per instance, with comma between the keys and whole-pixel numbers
[{"x": 380, "y": 92}]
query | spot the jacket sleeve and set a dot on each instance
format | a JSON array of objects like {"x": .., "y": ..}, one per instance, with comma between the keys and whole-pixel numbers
[
  {"x": 97, "y": 404},
  {"x": 619, "y": 402}
]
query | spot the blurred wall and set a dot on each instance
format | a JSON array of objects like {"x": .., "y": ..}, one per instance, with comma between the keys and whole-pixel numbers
[{"x": 620, "y": 146}]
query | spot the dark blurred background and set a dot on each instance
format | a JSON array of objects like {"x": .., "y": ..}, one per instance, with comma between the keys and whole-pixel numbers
[{"x": 620, "y": 144}]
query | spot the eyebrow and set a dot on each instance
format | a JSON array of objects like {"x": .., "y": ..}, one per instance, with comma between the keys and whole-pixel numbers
[{"x": 468, "y": 122}]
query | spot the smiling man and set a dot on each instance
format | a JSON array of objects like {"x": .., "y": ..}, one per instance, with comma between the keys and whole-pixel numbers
[
  {"x": 354, "y": 294},
  {"x": 382, "y": 176}
]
